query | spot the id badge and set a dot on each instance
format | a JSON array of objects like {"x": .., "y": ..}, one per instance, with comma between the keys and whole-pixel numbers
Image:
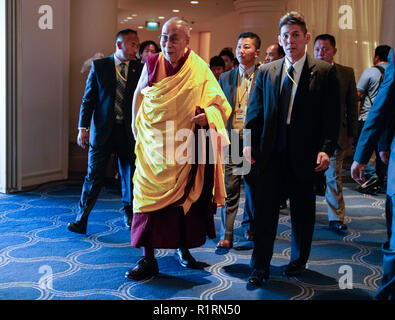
[{"x": 240, "y": 115}]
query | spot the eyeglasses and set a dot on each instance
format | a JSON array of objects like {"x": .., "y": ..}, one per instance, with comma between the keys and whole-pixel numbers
[{"x": 172, "y": 39}]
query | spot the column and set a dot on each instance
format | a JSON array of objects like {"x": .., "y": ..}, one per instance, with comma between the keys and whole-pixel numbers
[
  {"x": 3, "y": 98},
  {"x": 387, "y": 35},
  {"x": 94, "y": 24},
  {"x": 261, "y": 17},
  {"x": 204, "y": 45}
]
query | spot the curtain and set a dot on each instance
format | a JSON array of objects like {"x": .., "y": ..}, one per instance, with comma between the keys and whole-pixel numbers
[{"x": 355, "y": 46}]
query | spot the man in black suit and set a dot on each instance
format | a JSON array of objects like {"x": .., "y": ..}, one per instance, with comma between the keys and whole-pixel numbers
[
  {"x": 105, "y": 124},
  {"x": 293, "y": 119},
  {"x": 325, "y": 49},
  {"x": 381, "y": 117}
]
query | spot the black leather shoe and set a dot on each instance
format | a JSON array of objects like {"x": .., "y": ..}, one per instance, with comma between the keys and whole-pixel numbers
[
  {"x": 77, "y": 227},
  {"x": 370, "y": 186},
  {"x": 249, "y": 235},
  {"x": 283, "y": 205},
  {"x": 145, "y": 269},
  {"x": 127, "y": 219},
  {"x": 294, "y": 269},
  {"x": 337, "y": 226},
  {"x": 258, "y": 277},
  {"x": 184, "y": 257}
]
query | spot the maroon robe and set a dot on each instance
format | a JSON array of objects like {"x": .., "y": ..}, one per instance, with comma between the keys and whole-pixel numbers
[{"x": 170, "y": 228}]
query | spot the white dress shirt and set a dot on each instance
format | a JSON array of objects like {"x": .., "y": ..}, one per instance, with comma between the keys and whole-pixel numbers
[
  {"x": 298, "y": 68},
  {"x": 118, "y": 62}
]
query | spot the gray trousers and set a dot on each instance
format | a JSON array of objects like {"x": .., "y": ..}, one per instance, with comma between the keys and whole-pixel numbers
[
  {"x": 334, "y": 188},
  {"x": 229, "y": 212}
]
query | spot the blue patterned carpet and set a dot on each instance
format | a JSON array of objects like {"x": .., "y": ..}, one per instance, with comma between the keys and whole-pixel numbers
[{"x": 41, "y": 260}]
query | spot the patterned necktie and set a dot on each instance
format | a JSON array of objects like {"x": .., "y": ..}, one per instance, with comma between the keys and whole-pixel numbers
[
  {"x": 120, "y": 92},
  {"x": 284, "y": 101},
  {"x": 244, "y": 89}
]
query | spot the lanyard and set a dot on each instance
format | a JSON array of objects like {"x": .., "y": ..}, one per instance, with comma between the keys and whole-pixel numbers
[
  {"x": 290, "y": 78},
  {"x": 249, "y": 80},
  {"x": 120, "y": 75}
]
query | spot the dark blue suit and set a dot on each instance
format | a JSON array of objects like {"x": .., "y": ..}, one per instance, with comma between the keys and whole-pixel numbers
[
  {"x": 380, "y": 117},
  {"x": 314, "y": 128},
  {"x": 228, "y": 82},
  {"x": 106, "y": 135}
]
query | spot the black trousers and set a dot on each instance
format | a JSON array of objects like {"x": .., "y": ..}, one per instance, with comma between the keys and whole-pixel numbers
[
  {"x": 278, "y": 180},
  {"x": 98, "y": 158}
]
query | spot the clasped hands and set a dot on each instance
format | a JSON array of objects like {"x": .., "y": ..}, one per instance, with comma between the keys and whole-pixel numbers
[{"x": 200, "y": 119}]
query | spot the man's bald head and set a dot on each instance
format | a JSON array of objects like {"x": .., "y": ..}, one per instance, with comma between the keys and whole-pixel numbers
[
  {"x": 180, "y": 24},
  {"x": 174, "y": 39}
]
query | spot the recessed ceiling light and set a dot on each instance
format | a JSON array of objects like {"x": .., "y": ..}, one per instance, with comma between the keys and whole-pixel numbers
[
  {"x": 129, "y": 18},
  {"x": 134, "y": 15},
  {"x": 176, "y": 10},
  {"x": 140, "y": 27},
  {"x": 161, "y": 17},
  {"x": 194, "y": 2}
]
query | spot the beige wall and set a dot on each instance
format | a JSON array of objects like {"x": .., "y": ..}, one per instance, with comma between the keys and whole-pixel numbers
[
  {"x": 93, "y": 30},
  {"x": 387, "y": 35},
  {"x": 225, "y": 30},
  {"x": 3, "y": 99},
  {"x": 43, "y": 94}
]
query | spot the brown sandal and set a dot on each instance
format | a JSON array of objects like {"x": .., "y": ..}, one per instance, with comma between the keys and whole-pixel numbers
[{"x": 224, "y": 244}]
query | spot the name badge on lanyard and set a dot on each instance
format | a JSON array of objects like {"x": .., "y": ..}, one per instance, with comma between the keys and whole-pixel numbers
[{"x": 240, "y": 114}]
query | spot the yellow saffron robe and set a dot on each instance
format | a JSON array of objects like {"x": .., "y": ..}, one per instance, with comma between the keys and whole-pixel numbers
[{"x": 165, "y": 135}]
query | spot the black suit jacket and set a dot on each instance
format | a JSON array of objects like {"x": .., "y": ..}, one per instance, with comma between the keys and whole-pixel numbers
[
  {"x": 314, "y": 120},
  {"x": 379, "y": 120},
  {"x": 348, "y": 104},
  {"x": 97, "y": 111}
]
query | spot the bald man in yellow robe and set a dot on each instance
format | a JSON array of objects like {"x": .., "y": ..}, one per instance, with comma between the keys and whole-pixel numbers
[{"x": 176, "y": 190}]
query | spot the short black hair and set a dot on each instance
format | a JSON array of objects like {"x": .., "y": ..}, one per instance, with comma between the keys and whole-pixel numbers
[
  {"x": 252, "y": 36},
  {"x": 227, "y": 52},
  {"x": 147, "y": 43},
  {"x": 293, "y": 17},
  {"x": 382, "y": 52},
  {"x": 326, "y": 36},
  {"x": 280, "y": 51},
  {"x": 124, "y": 32},
  {"x": 217, "y": 61}
]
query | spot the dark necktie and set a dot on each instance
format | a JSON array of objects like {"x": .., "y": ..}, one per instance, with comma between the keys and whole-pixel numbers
[
  {"x": 120, "y": 92},
  {"x": 284, "y": 102}
]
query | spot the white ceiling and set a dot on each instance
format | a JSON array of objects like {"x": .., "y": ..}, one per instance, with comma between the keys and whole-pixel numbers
[{"x": 199, "y": 15}]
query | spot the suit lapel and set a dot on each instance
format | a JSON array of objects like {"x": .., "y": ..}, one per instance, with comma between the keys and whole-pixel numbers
[
  {"x": 233, "y": 87},
  {"x": 276, "y": 75},
  {"x": 307, "y": 76},
  {"x": 132, "y": 71},
  {"x": 253, "y": 84},
  {"x": 112, "y": 74}
]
